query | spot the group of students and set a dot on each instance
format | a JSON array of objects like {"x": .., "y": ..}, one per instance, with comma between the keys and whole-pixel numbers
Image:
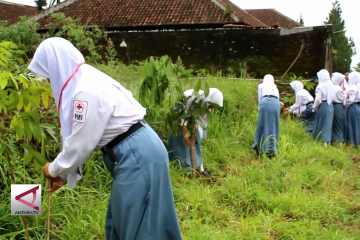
[
  {"x": 97, "y": 113},
  {"x": 333, "y": 116}
]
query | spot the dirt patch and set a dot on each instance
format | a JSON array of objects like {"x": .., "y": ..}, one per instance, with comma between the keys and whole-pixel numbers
[
  {"x": 352, "y": 227},
  {"x": 355, "y": 158}
]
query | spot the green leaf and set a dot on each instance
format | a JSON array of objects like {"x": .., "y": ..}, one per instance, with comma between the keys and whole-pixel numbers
[
  {"x": 4, "y": 51},
  {"x": 14, "y": 81},
  {"x": 31, "y": 114},
  {"x": 37, "y": 166},
  {"x": 13, "y": 122},
  {"x": 3, "y": 83},
  {"x": 3, "y": 58},
  {"x": 200, "y": 123},
  {"x": 20, "y": 103},
  {"x": 196, "y": 112},
  {"x": 19, "y": 132},
  {"x": 28, "y": 156},
  {"x": 206, "y": 88},
  {"x": 21, "y": 60},
  {"x": 198, "y": 86},
  {"x": 40, "y": 159},
  {"x": 35, "y": 128},
  {"x": 27, "y": 129}
]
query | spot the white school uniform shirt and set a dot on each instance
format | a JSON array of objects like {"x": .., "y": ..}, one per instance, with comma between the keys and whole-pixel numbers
[
  {"x": 325, "y": 90},
  {"x": 267, "y": 87},
  {"x": 302, "y": 98},
  {"x": 94, "y": 108},
  {"x": 100, "y": 113},
  {"x": 353, "y": 89},
  {"x": 340, "y": 94}
]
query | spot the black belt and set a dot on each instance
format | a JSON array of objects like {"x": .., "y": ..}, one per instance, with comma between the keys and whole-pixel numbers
[
  {"x": 270, "y": 96},
  {"x": 309, "y": 103},
  {"x": 108, "y": 148}
]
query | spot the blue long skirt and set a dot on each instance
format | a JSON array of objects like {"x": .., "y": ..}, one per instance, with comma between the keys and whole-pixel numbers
[
  {"x": 339, "y": 123},
  {"x": 353, "y": 124},
  {"x": 179, "y": 150},
  {"x": 141, "y": 204},
  {"x": 267, "y": 127},
  {"x": 322, "y": 127},
  {"x": 307, "y": 117}
]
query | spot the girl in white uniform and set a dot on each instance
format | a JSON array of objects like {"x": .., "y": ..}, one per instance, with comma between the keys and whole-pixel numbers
[
  {"x": 267, "y": 127},
  {"x": 353, "y": 110},
  {"x": 339, "y": 122},
  {"x": 303, "y": 105},
  {"x": 96, "y": 112},
  {"x": 325, "y": 94},
  {"x": 179, "y": 146}
]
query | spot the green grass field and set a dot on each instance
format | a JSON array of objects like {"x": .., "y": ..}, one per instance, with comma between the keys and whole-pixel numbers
[{"x": 305, "y": 192}]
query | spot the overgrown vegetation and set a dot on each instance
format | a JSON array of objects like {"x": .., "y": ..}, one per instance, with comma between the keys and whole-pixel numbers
[{"x": 305, "y": 192}]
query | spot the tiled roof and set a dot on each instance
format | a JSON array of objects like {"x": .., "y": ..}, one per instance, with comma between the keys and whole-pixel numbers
[
  {"x": 136, "y": 13},
  {"x": 12, "y": 11},
  {"x": 272, "y": 17}
]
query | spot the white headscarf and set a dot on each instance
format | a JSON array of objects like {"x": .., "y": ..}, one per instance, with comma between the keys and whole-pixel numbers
[
  {"x": 326, "y": 86},
  {"x": 268, "y": 80},
  {"x": 57, "y": 58},
  {"x": 215, "y": 96},
  {"x": 354, "y": 82},
  {"x": 297, "y": 86},
  {"x": 337, "y": 78}
]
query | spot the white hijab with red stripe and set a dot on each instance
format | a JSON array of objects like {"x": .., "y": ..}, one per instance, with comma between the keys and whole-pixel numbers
[{"x": 57, "y": 59}]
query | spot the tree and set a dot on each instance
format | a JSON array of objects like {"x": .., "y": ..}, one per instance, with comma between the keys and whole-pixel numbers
[
  {"x": 52, "y": 2},
  {"x": 40, "y": 4},
  {"x": 301, "y": 21},
  {"x": 357, "y": 68},
  {"x": 343, "y": 48}
]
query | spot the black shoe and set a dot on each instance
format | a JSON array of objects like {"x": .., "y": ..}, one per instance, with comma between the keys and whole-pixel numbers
[{"x": 206, "y": 174}]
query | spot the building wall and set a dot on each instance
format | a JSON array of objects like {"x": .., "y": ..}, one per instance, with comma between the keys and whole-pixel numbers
[{"x": 263, "y": 49}]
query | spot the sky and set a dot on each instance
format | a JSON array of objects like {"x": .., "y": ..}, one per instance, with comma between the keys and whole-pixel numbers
[{"x": 314, "y": 13}]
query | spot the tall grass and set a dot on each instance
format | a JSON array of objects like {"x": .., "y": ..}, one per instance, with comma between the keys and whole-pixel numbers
[{"x": 305, "y": 192}]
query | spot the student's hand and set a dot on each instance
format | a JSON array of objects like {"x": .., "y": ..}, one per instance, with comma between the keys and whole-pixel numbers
[
  {"x": 188, "y": 141},
  {"x": 55, "y": 183}
]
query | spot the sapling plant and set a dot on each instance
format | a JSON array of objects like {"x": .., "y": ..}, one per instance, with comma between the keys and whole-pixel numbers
[
  {"x": 158, "y": 73},
  {"x": 21, "y": 97}
]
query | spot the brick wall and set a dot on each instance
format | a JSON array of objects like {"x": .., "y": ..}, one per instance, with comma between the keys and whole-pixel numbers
[{"x": 264, "y": 50}]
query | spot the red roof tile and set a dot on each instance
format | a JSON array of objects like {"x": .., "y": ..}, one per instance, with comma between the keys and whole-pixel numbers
[
  {"x": 12, "y": 11},
  {"x": 272, "y": 17},
  {"x": 135, "y": 13},
  {"x": 251, "y": 20}
]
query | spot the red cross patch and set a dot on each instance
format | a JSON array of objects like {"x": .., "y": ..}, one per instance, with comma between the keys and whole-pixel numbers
[{"x": 79, "y": 111}]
